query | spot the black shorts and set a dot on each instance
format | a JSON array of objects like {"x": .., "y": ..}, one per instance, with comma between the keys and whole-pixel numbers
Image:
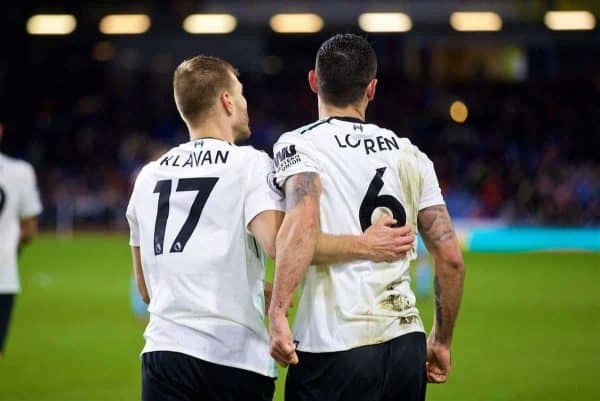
[
  {"x": 391, "y": 371},
  {"x": 6, "y": 305},
  {"x": 172, "y": 376}
]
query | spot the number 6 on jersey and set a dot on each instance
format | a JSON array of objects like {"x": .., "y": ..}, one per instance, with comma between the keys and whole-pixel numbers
[
  {"x": 203, "y": 186},
  {"x": 373, "y": 200}
]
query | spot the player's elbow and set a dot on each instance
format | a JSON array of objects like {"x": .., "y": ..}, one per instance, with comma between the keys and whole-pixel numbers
[
  {"x": 454, "y": 262},
  {"x": 449, "y": 261},
  {"x": 299, "y": 226},
  {"x": 310, "y": 226},
  {"x": 270, "y": 249}
]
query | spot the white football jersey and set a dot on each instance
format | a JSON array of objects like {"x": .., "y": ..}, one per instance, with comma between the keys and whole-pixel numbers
[
  {"x": 19, "y": 199},
  {"x": 365, "y": 171},
  {"x": 189, "y": 213}
]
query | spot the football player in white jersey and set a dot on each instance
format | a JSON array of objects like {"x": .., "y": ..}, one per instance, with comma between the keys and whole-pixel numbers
[
  {"x": 199, "y": 216},
  {"x": 19, "y": 207},
  {"x": 357, "y": 330}
]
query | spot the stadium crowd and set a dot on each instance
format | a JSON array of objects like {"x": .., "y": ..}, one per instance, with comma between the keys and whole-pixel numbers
[{"x": 527, "y": 153}]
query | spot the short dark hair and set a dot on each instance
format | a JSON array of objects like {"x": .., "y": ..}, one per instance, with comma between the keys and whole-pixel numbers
[
  {"x": 196, "y": 84},
  {"x": 346, "y": 63}
]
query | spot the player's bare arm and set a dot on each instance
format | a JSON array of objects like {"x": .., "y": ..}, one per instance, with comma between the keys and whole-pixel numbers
[
  {"x": 438, "y": 234},
  {"x": 139, "y": 275},
  {"x": 29, "y": 229},
  {"x": 379, "y": 243},
  {"x": 264, "y": 227},
  {"x": 296, "y": 244}
]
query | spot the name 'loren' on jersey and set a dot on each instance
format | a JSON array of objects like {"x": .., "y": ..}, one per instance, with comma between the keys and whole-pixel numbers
[{"x": 365, "y": 171}]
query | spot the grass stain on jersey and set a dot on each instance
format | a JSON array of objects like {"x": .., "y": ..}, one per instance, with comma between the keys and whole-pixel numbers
[
  {"x": 395, "y": 302},
  {"x": 412, "y": 182}
]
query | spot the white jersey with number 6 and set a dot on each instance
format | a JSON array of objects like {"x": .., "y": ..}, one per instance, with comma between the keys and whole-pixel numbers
[
  {"x": 19, "y": 199},
  {"x": 189, "y": 213},
  {"x": 365, "y": 171}
]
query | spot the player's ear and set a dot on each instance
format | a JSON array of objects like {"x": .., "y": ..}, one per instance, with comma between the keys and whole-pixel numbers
[
  {"x": 226, "y": 102},
  {"x": 312, "y": 80},
  {"x": 371, "y": 89}
]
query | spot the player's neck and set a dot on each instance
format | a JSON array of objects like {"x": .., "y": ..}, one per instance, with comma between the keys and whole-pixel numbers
[
  {"x": 328, "y": 110},
  {"x": 211, "y": 129}
]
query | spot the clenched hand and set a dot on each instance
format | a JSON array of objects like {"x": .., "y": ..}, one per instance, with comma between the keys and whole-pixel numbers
[
  {"x": 438, "y": 363},
  {"x": 283, "y": 349}
]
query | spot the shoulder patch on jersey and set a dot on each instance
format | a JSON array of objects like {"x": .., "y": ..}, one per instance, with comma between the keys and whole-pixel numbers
[
  {"x": 272, "y": 182},
  {"x": 283, "y": 154}
]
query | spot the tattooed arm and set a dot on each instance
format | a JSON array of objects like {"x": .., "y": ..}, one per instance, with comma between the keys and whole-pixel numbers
[
  {"x": 436, "y": 230},
  {"x": 295, "y": 248}
]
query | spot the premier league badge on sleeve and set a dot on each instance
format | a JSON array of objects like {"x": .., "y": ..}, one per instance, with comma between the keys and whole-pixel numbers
[{"x": 272, "y": 181}]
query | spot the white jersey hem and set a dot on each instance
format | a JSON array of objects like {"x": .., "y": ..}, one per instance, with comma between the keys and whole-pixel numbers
[{"x": 414, "y": 328}]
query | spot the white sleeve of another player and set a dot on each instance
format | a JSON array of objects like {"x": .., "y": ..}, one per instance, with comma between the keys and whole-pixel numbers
[
  {"x": 134, "y": 229},
  {"x": 292, "y": 156},
  {"x": 261, "y": 193},
  {"x": 30, "y": 204},
  {"x": 431, "y": 194}
]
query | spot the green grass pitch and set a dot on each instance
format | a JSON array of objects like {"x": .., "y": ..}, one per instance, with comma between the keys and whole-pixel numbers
[{"x": 527, "y": 330}]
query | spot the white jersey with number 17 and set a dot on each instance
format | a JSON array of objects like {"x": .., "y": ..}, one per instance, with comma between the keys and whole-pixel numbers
[
  {"x": 189, "y": 214},
  {"x": 365, "y": 171}
]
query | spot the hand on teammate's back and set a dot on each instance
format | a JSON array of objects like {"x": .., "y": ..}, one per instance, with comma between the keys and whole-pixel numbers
[
  {"x": 283, "y": 349},
  {"x": 438, "y": 363},
  {"x": 387, "y": 244}
]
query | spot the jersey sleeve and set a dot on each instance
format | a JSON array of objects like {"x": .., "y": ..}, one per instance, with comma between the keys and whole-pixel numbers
[
  {"x": 431, "y": 193},
  {"x": 292, "y": 156},
  {"x": 134, "y": 229},
  {"x": 261, "y": 192},
  {"x": 30, "y": 204}
]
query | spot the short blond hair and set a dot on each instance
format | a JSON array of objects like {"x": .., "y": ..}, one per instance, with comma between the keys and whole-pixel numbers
[{"x": 196, "y": 84}]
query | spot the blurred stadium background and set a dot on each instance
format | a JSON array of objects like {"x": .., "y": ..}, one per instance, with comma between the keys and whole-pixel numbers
[{"x": 504, "y": 96}]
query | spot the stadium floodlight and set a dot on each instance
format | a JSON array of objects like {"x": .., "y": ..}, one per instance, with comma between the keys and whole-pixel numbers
[
  {"x": 209, "y": 23},
  {"x": 296, "y": 23},
  {"x": 459, "y": 111},
  {"x": 124, "y": 24},
  {"x": 384, "y": 22},
  {"x": 570, "y": 20},
  {"x": 51, "y": 24},
  {"x": 465, "y": 21}
]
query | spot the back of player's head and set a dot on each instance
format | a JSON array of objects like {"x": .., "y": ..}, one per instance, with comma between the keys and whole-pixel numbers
[
  {"x": 197, "y": 83},
  {"x": 346, "y": 63}
]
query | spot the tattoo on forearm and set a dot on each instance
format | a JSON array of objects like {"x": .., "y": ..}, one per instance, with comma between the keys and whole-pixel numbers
[
  {"x": 435, "y": 226},
  {"x": 299, "y": 186},
  {"x": 439, "y": 320}
]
